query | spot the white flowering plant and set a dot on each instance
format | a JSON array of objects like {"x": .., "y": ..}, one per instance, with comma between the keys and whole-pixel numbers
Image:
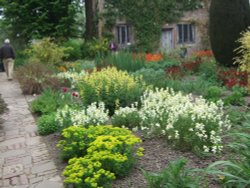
[
  {"x": 94, "y": 114},
  {"x": 188, "y": 122},
  {"x": 127, "y": 116},
  {"x": 72, "y": 77}
]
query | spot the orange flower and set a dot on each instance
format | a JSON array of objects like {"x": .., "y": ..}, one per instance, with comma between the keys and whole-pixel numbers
[{"x": 153, "y": 57}]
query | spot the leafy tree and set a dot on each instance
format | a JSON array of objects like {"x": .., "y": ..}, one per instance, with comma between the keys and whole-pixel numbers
[
  {"x": 227, "y": 20},
  {"x": 37, "y": 19}
]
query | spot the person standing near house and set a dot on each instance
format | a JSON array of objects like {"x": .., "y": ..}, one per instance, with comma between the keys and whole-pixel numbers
[
  {"x": 112, "y": 46},
  {"x": 7, "y": 54}
]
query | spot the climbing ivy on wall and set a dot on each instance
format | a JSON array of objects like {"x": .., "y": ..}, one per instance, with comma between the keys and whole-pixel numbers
[{"x": 147, "y": 17}]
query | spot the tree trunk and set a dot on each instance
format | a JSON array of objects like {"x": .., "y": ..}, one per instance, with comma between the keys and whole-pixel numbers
[{"x": 90, "y": 23}]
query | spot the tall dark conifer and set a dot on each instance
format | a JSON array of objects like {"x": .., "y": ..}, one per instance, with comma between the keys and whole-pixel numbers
[{"x": 228, "y": 18}]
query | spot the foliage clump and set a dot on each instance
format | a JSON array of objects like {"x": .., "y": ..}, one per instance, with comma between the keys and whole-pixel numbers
[
  {"x": 110, "y": 86},
  {"x": 36, "y": 77},
  {"x": 98, "y": 154},
  {"x": 174, "y": 175},
  {"x": 243, "y": 60},
  {"x": 46, "y": 52}
]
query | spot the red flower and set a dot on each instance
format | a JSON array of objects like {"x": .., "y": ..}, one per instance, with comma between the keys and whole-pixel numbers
[
  {"x": 233, "y": 77},
  {"x": 65, "y": 89},
  {"x": 75, "y": 94}
]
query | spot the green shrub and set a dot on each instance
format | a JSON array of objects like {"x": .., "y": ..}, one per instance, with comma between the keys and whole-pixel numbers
[
  {"x": 73, "y": 49},
  {"x": 84, "y": 172},
  {"x": 46, "y": 102},
  {"x": 128, "y": 117},
  {"x": 125, "y": 61},
  {"x": 208, "y": 71},
  {"x": 189, "y": 84},
  {"x": 156, "y": 78},
  {"x": 195, "y": 85},
  {"x": 47, "y": 124},
  {"x": 175, "y": 175},
  {"x": 113, "y": 87},
  {"x": 76, "y": 139},
  {"x": 21, "y": 59},
  {"x": 46, "y": 52},
  {"x": 95, "y": 47},
  {"x": 107, "y": 152},
  {"x": 162, "y": 64},
  {"x": 213, "y": 93},
  {"x": 236, "y": 98},
  {"x": 235, "y": 115},
  {"x": 49, "y": 101},
  {"x": 36, "y": 77}
]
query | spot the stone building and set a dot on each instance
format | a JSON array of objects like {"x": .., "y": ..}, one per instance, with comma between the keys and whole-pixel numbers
[{"x": 191, "y": 32}]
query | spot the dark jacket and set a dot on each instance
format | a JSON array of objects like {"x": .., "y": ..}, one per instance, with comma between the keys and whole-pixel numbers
[{"x": 7, "y": 51}]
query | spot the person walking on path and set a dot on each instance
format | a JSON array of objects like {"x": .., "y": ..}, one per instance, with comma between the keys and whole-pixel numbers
[{"x": 7, "y": 54}]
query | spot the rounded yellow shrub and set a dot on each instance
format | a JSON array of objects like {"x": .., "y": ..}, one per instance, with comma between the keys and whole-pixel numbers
[
  {"x": 111, "y": 86},
  {"x": 243, "y": 60}
]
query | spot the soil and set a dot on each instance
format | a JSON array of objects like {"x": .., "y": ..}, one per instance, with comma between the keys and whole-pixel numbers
[{"x": 157, "y": 155}]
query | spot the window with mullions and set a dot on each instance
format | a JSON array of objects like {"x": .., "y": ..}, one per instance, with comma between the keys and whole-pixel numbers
[
  {"x": 123, "y": 34},
  {"x": 186, "y": 33}
]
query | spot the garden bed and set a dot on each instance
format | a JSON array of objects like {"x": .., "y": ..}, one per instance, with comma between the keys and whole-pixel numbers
[{"x": 156, "y": 157}]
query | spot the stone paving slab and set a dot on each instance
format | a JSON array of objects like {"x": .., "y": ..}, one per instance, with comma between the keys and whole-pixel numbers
[{"x": 25, "y": 161}]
